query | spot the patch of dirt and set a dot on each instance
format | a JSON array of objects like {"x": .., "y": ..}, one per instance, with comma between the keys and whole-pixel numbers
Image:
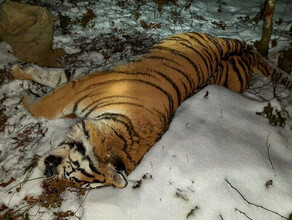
[
  {"x": 139, "y": 182},
  {"x": 3, "y": 117},
  {"x": 24, "y": 137},
  {"x": 5, "y": 75}
]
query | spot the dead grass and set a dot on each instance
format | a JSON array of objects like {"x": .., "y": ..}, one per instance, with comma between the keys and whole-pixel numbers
[{"x": 49, "y": 199}]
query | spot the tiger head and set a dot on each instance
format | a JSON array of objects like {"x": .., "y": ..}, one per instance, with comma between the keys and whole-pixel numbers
[{"x": 75, "y": 160}]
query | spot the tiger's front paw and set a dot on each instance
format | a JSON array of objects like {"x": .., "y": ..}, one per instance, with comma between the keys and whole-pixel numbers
[
  {"x": 51, "y": 77},
  {"x": 21, "y": 73}
]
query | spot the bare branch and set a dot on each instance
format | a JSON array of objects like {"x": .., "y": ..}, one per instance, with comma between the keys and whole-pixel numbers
[
  {"x": 251, "y": 203},
  {"x": 80, "y": 205},
  {"x": 221, "y": 217},
  {"x": 268, "y": 149},
  {"x": 241, "y": 212}
]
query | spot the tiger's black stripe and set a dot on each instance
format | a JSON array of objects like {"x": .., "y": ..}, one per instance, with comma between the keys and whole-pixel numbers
[
  {"x": 205, "y": 62},
  {"x": 236, "y": 70},
  {"x": 132, "y": 73},
  {"x": 187, "y": 77},
  {"x": 78, "y": 146},
  {"x": 236, "y": 44},
  {"x": 245, "y": 70},
  {"x": 74, "y": 163},
  {"x": 77, "y": 180},
  {"x": 84, "y": 129},
  {"x": 164, "y": 76},
  {"x": 214, "y": 41},
  {"x": 77, "y": 168},
  {"x": 178, "y": 94},
  {"x": 91, "y": 166},
  {"x": 161, "y": 74},
  {"x": 225, "y": 72},
  {"x": 197, "y": 71},
  {"x": 204, "y": 47},
  {"x": 103, "y": 73},
  {"x": 82, "y": 99},
  {"x": 81, "y": 149},
  {"x": 66, "y": 174},
  {"x": 191, "y": 47},
  {"x": 119, "y": 136},
  {"x": 161, "y": 58},
  {"x": 154, "y": 112},
  {"x": 114, "y": 116},
  {"x": 107, "y": 97},
  {"x": 85, "y": 173},
  {"x": 206, "y": 54},
  {"x": 124, "y": 146},
  {"x": 227, "y": 42},
  {"x": 169, "y": 97}
]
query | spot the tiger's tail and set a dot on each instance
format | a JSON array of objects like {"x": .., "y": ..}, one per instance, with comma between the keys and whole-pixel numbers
[{"x": 262, "y": 66}]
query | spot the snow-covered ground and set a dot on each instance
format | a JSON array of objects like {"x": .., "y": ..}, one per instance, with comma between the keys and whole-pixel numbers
[{"x": 218, "y": 160}]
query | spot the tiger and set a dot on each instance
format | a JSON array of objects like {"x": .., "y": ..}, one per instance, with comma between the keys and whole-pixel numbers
[{"x": 125, "y": 110}]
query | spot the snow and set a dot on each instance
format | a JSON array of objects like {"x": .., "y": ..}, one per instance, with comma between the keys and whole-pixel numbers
[{"x": 218, "y": 154}]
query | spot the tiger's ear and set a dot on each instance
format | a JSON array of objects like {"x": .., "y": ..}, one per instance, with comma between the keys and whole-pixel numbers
[{"x": 117, "y": 178}]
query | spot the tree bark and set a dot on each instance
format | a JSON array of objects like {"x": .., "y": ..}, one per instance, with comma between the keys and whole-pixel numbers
[{"x": 263, "y": 45}]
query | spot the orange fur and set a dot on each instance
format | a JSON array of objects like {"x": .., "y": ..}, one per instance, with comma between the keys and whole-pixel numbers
[{"x": 128, "y": 108}]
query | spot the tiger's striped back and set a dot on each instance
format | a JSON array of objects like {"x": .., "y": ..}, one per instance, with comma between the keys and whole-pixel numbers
[{"x": 185, "y": 63}]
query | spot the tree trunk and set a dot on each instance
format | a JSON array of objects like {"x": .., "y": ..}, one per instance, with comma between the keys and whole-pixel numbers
[{"x": 263, "y": 45}]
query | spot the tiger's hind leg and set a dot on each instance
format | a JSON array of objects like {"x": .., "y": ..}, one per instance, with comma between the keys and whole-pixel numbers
[
  {"x": 54, "y": 104},
  {"x": 52, "y": 77}
]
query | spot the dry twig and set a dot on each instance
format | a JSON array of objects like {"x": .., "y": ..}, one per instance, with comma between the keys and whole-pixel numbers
[
  {"x": 241, "y": 212},
  {"x": 268, "y": 149},
  {"x": 251, "y": 203}
]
